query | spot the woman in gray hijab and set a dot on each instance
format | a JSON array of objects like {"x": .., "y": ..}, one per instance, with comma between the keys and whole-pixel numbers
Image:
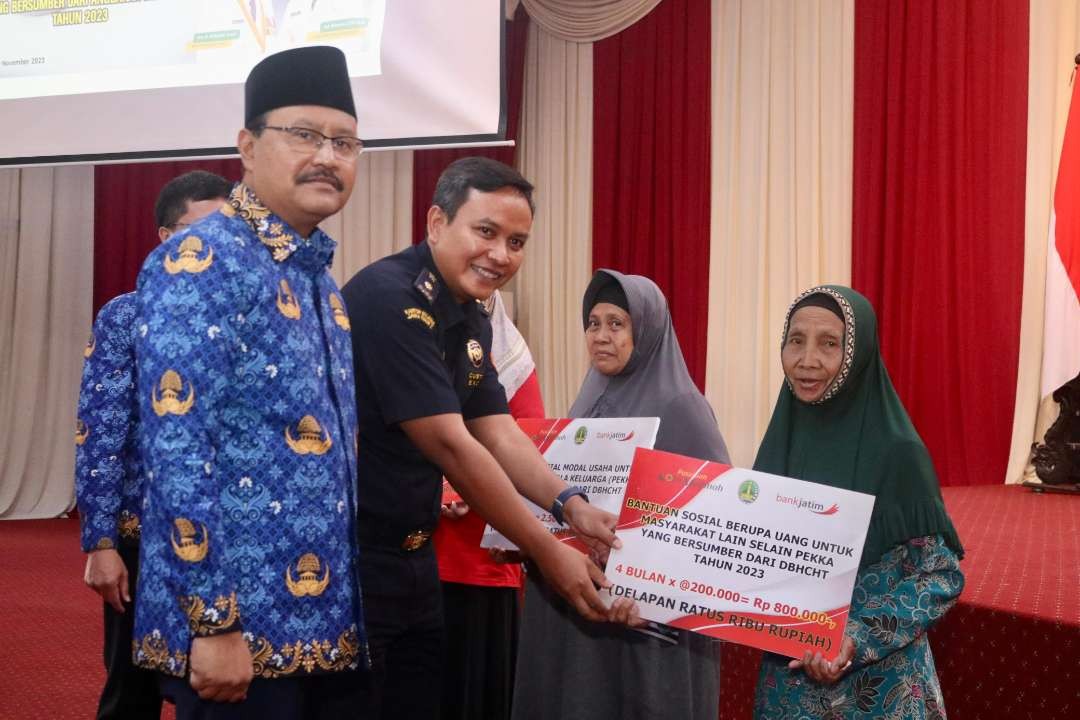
[{"x": 570, "y": 668}]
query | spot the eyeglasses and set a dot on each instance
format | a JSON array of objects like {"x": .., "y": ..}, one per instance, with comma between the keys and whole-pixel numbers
[
  {"x": 178, "y": 226},
  {"x": 311, "y": 141}
]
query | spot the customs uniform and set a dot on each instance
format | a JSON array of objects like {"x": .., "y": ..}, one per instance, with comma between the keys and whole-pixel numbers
[
  {"x": 109, "y": 487},
  {"x": 245, "y": 383},
  {"x": 417, "y": 353}
]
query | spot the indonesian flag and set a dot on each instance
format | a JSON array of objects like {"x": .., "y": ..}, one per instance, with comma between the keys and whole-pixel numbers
[
  {"x": 511, "y": 357},
  {"x": 1061, "y": 331}
]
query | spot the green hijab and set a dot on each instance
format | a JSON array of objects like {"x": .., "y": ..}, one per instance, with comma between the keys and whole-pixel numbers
[{"x": 859, "y": 437}]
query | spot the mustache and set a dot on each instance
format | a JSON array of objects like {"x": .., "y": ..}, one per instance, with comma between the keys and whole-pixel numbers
[{"x": 322, "y": 175}]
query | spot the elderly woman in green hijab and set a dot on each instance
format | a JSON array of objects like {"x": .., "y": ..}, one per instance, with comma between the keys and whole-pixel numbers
[{"x": 839, "y": 422}]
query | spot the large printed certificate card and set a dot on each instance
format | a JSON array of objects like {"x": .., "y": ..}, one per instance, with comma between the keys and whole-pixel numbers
[
  {"x": 592, "y": 453},
  {"x": 739, "y": 555}
]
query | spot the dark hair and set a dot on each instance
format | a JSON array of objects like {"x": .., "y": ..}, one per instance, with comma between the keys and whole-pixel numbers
[
  {"x": 257, "y": 124},
  {"x": 190, "y": 187},
  {"x": 821, "y": 300},
  {"x": 480, "y": 173}
]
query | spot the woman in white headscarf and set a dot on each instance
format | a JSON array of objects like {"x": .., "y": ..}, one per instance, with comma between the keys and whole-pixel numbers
[{"x": 570, "y": 668}]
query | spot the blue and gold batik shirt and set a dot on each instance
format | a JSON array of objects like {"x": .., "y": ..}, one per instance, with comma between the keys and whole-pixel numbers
[
  {"x": 108, "y": 472},
  {"x": 248, "y": 433}
]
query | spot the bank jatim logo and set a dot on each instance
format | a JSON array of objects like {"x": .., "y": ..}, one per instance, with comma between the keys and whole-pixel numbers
[
  {"x": 799, "y": 503},
  {"x": 615, "y": 435}
]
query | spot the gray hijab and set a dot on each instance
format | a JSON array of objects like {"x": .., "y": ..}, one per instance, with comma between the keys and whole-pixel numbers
[{"x": 655, "y": 381}]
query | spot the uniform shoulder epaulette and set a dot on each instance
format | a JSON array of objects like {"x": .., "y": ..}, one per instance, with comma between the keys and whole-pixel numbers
[{"x": 427, "y": 284}]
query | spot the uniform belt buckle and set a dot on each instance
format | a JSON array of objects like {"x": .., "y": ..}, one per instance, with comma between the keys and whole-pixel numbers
[{"x": 415, "y": 540}]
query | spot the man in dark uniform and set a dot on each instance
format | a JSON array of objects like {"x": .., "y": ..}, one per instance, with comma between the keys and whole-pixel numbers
[{"x": 430, "y": 403}]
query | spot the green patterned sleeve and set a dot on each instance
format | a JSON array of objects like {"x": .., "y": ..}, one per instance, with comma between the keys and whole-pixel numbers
[{"x": 900, "y": 597}]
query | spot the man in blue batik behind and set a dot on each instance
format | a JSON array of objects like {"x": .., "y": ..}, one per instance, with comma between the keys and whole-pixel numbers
[
  {"x": 108, "y": 471},
  {"x": 249, "y": 591}
]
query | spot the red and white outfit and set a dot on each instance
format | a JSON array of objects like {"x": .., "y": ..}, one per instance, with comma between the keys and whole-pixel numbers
[
  {"x": 480, "y": 595},
  {"x": 457, "y": 542}
]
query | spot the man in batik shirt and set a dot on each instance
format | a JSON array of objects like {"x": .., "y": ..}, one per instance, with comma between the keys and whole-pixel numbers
[
  {"x": 249, "y": 591},
  {"x": 108, "y": 472}
]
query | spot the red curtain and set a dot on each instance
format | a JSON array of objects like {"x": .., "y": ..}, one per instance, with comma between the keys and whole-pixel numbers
[
  {"x": 651, "y": 161},
  {"x": 124, "y": 227},
  {"x": 429, "y": 164},
  {"x": 938, "y": 217}
]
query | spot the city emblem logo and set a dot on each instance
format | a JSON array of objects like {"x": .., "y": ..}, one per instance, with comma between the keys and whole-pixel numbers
[
  {"x": 580, "y": 435},
  {"x": 748, "y": 491},
  {"x": 187, "y": 549},
  {"x": 308, "y": 582},
  {"x": 172, "y": 387},
  {"x": 312, "y": 439},
  {"x": 188, "y": 260},
  {"x": 287, "y": 304},
  {"x": 340, "y": 317}
]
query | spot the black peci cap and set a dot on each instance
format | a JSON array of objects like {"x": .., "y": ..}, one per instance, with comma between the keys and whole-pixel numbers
[{"x": 315, "y": 75}]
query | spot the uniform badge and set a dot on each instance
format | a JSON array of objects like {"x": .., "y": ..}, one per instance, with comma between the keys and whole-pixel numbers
[
  {"x": 476, "y": 353},
  {"x": 475, "y": 378},
  {"x": 287, "y": 304},
  {"x": 307, "y": 582},
  {"x": 188, "y": 260},
  {"x": 427, "y": 284},
  {"x": 169, "y": 403},
  {"x": 311, "y": 438},
  {"x": 421, "y": 315},
  {"x": 187, "y": 549}
]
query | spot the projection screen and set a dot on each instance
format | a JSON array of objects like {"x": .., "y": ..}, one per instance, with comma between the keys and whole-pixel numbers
[{"x": 121, "y": 80}]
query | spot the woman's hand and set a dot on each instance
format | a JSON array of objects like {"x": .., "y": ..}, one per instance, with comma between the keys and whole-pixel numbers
[
  {"x": 505, "y": 557},
  {"x": 624, "y": 611},
  {"x": 455, "y": 510},
  {"x": 822, "y": 671}
]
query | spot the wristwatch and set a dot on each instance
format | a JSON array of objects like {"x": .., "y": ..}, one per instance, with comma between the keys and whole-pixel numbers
[{"x": 563, "y": 498}]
